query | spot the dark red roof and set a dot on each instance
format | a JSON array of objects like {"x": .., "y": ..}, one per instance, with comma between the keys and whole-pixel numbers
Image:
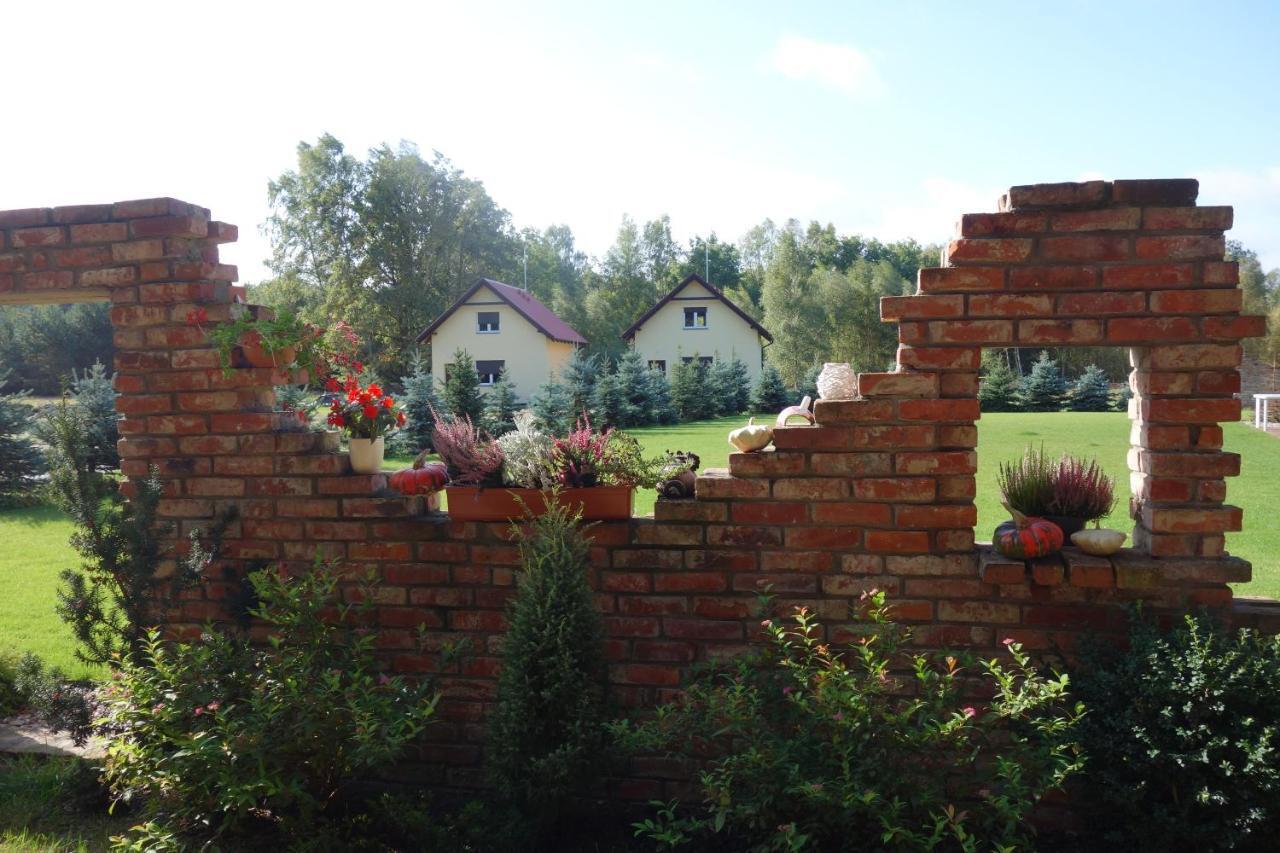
[
  {"x": 542, "y": 317},
  {"x": 710, "y": 288}
]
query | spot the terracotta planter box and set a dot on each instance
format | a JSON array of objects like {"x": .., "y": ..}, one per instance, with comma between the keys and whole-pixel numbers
[{"x": 471, "y": 503}]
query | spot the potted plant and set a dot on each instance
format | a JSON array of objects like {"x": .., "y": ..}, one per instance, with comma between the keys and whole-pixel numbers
[
  {"x": 366, "y": 415},
  {"x": 282, "y": 342},
  {"x": 1081, "y": 492}
]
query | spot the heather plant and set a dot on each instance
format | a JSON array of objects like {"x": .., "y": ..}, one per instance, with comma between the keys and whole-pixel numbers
[
  {"x": 1182, "y": 738},
  {"x": 473, "y": 458},
  {"x": 807, "y": 745},
  {"x": 1027, "y": 484},
  {"x": 224, "y": 734},
  {"x": 576, "y": 458},
  {"x": 1080, "y": 489}
]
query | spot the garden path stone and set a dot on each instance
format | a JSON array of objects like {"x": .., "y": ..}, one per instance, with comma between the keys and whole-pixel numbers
[{"x": 25, "y": 734}]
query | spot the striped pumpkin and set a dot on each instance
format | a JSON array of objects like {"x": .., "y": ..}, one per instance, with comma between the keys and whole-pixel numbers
[{"x": 1024, "y": 538}]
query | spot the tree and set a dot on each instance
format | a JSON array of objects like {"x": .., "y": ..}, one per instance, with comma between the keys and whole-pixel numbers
[
  {"x": 609, "y": 405},
  {"x": 690, "y": 394},
  {"x": 998, "y": 388},
  {"x": 546, "y": 730},
  {"x": 43, "y": 344},
  {"x": 770, "y": 394},
  {"x": 95, "y": 396},
  {"x": 852, "y": 330},
  {"x": 718, "y": 263},
  {"x": 20, "y": 460},
  {"x": 419, "y": 400},
  {"x": 552, "y": 408},
  {"x": 1091, "y": 391},
  {"x": 1043, "y": 389},
  {"x": 730, "y": 386},
  {"x": 462, "y": 396},
  {"x": 579, "y": 378},
  {"x": 500, "y": 407},
  {"x": 809, "y": 385},
  {"x": 791, "y": 312},
  {"x": 661, "y": 409},
  {"x": 636, "y": 388}
]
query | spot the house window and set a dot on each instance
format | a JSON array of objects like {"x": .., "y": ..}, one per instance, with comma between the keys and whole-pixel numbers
[
  {"x": 658, "y": 364},
  {"x": 490, "y": 371},
  {"x": 703, "y": 360},
  {"x": 487, "y": 322},
  {"x": 695, "y": 318}
]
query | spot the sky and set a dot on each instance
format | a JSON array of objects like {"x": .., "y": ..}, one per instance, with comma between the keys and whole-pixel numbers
[{"x": 887, "y": 119}]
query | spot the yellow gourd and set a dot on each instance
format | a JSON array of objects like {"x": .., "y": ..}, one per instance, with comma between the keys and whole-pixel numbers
[{"x": 752, "y": 437}]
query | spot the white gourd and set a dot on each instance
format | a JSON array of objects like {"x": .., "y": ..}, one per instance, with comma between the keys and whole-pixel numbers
[{"x": 752, "y": 437}]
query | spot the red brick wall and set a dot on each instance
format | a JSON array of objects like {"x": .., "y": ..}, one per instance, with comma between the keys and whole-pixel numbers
[{"x": 878, "y": 495}]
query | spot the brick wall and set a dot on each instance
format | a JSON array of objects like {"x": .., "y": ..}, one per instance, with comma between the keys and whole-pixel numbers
[{"x": 879, "y": 494}]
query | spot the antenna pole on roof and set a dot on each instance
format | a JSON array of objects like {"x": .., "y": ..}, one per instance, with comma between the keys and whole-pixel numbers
[
  {"x": 706, "y": 254},
  {"x": 526, "y": 266}
]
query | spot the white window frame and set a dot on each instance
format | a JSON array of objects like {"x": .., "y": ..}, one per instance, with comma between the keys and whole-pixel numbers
[
  {"x": 705, "y": 318},
  {"x": 497, "y": 330},
  {"x": 502, "y": 366}
]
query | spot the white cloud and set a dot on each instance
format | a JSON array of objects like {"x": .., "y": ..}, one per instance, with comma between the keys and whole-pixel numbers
[
  {"x": 929, "y": 213},
  {"x": 1255, "y": 194},
  {"x": 837, "y": 66}
]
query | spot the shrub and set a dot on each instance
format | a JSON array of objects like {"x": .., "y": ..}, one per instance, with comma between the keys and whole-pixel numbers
[
  {"x": 215, "y": 733},
  {"x": 579, "y": 378},
  {"x": 609, "y": 403},
  {"x": 462, "y": 396},
  {"x": 61, "y": 704},
  {"x": 526, "y": 455},
  {"x": 1027, "y": 484},
  {"x": 809, "y": 384},
  {"x": 500, "y": 407},
  {"x": 769, "y": 394},
  {"x": 1120, "y": 402},
  {"x": 1080, "y": 489},
  {"x": 552, "y": 407},
  {"x": 731, "y": 386},
  {"x": 1091, "y": 391},
  {"x": 1043, "y": 389},
  {"x": 998, "y": 390},
  {"x": 421, "y": 402},
  {"x": 546, "y": 731},
  {"x": 473, "y": 458},
  {"x": 690, "y": 392},
  {"x": 807, "y": 745},
  {"x": 20, "y": 461},
  {"x": 662, "y": 410},
  {"x": 1182, "y": 738},
  {"x": 11, "y": 699},
  {"x": 632, "y": 379},
  {"x": 95, "y": 396}
]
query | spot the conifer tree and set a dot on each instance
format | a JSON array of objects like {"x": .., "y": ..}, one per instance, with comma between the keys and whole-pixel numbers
[
  {"x": 661, "y": 409},
  {"x": 95, "y": 396},
  {"x": 1091, "y": 392},
  {"x": 579, "y": 378},
  {"x": 737, "y": 391},
  {"x": 1043, "y": 389},
  {"x": 20, "y": 459},
  {"x": 769, "y": 395},
  {"x": 609, "y": 405},
  {"x": 552, "y": 408},
  {"x": 462, "y": 396},
  {"x": 690, "y": 390},
  {"x": 500, "y": 407},
  {"x": 420, "y": 401},
  {"x": 633, "y": 382},
  {"x": 998, "y": 389}
]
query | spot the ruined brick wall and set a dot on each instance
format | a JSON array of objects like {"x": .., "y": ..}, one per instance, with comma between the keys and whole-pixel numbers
[{"x": 879, "y": 494}]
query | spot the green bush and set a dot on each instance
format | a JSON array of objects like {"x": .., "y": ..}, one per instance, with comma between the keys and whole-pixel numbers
[
  {"x": 11, "y": 699},
  {"x": 731, "y": 386},
  {"x": 95, "y": 396},
  {"x": 806, "y": 745},
  {"x": 1183, "y": 738},
  {"x": 420, "y": 400},
  {"x": 998, "y": 388},
  {"x": 1091, "y": 391},
  {"x": 552, "y": 406},
  {"x": 218, "y": 733},
  {"x": 1043, "y": 389},
  {"x": 500, "y": 407},
  {"x": 547, "y": 727},
  {"x": 769, "y": 394},
  {"x": 462, "y": 395},
  {"x": 20, "y": 460}
]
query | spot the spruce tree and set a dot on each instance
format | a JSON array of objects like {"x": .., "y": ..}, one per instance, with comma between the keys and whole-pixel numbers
[
  {"x": 608, "y": 402},
  {"x": 1121, "y": 402},
  {"x": 579, "y": 378},
  {"x": 633, "y": 382},
  {"x": 95, "y": 396},
  {"x": 546, "y": 730},
  {"x": 1091, "y": 392},
  {"x": 691, "y": 391},
  {"x": 661, "y": 409},
  {"x": 769, "y": 395},
  {"x": 20, "y": 459},
  {"x": 1043, "y": 389},
  {"x": 462, "y": 396},
  {"x": 718, "y": 384},
  {"x": 419, "y": 399},
  {"x": 737, "y": 393},
  {"x": 500, "y": 407},
  {"x": 998, "y": 389},
  {"x": 552, "y": 408}
]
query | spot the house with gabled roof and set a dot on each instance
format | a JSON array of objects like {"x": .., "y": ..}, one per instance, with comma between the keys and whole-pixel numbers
[
  {"x": 696, "y": 320},
  {"x": 507, "y": 332}
]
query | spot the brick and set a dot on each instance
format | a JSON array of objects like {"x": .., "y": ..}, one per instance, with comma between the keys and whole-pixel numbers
[
  {"x": 1010, "y": 305},
  {"x": 1190, "y": 357},
  {"x": 944, "y": 588},
  {"x": 1106, "y": 219},
  {"x": 767, "y": 463},
  {"x": 1008, "y": 249},
  {"x": 1077, "y": 618},
  {"x": 861, "y": 514},
  {"x": 1191, "y": 411},
  {"x": 216, "y": 487},
  {"x": 673, "y": 510},
  {"x": 30, "y": 237},
  {"x": 742, "y": 535},
  {"x": 939, "y": 410},
  {"x": 83, "y": 256},
  {"x": 960, "y": 279},
  {"x": 1173, "y": 191},
  {"x": 1191, "y": 519},
  {"x": 897, "y": 541},
  {"x": 668, "y": 534},
  {"x": 1007, "y": 224},
  {"x": 691, "y": 582},
  {"x": 935, "y": 358},
  {"x": 971, "y": 331},
  {"x": 1057, "y": 195},
  {"x": 920, "y": 307},
  {"x": 823, "y": 537},
  {"x": 169, "y": 226},
  {"x": 1218, "y": 382},
  {"x": 1234, "y": 328},
  {"x": 1148, "y": 276},
  {"x": 46, "y": 281},
  {"x": 769, "y": 513},
  {"x": 828, "y": 412},
  {"x": 1053, "y": 278},
  {"x": 936, "y": 516},
  {"x": 1047, "y": 571},
  {"x": 102, "y": 232},
  {"x": 987, "y": 612},
  {"x": 1084, "y": 249},
  {"x": 995, "y": 569},
  {"x": 698, "y": 629},
  {"x": 24, "y": 217},
  {"x": 1212, "y": 464},
  {"x": 1187, "y": 218},
  {"x": 137, "y": 250},
  {"x": 936, "y": 462},
  {"x": 1151, "y": 329},
  {"x": 812, "y": 438},
  {"x": 1180, "y": 248},
  {"x": 1222, "y": 273},
  {"x": 809, "y": 562},
  {"x": 1097, "y": 304},
  {"x": 713, "y": 484},
  {"x": 894, "y": 437},
  {"x": 1088, "y": 572},
  {"x": 1051, "y": 332},
  {"x": 1197, "y": 301},
  {"x": 957, "y": 435},
  {"x": 812, "y": 488},
  {"x": 906, "y": 384}
]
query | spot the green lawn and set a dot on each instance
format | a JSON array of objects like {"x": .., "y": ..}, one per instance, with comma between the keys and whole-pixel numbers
[
  {"x": 54, "y": 805},
  {"x": 33, "y": 542}
]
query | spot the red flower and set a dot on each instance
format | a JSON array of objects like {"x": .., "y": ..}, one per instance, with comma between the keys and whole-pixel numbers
[
  {"x": 371, "y": 412},
  {"x": 387, "y": 402},
  {"x": 400, "y": 418},
  {"x": 365, "y": 398},
  {"x": 358, "y": 367},
  {"x": 375, "y": 390},
  {"x": 332, "y": 384}
]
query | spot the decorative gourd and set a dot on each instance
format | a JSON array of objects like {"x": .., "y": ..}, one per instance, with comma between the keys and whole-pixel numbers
[
  {"x": 752, "y": 437},
  {"x": 800, "y": 411},
  {"x": 1025, "y": 538},
  {"x": 422, "y": 479},
  {"x": 1100, "y": 542}
]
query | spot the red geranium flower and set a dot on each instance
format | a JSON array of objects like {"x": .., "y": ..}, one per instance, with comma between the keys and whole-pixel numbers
[
  {"x": 371, "y": 412},
  {"x": 332, "y": 384},
  {"x": 387, "y": 402},
  {"x": 375, "y": 390},
  {"x": 400, "y": 419}
]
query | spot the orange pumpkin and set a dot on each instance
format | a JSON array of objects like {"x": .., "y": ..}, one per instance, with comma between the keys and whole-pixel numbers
[
  {"x": 1025, "y": 538},
  {"x": 422, "y": 479}
]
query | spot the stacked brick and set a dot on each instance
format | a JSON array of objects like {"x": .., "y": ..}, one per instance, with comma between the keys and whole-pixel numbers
[{"x": 879, "y": 494}]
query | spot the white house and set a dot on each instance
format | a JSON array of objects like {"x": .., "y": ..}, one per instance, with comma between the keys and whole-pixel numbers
[
  {"x": 696, "y": 320},
  {"x": 507, "y": 332}
]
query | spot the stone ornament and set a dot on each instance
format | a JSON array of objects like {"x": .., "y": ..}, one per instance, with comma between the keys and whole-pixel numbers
[
  {"x": 801, "y": 411},
  {"x": 837, "y": 381}
]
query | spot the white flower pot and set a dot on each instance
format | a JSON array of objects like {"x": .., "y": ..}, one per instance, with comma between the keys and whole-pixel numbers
[
  {"x": 837, "y": 382},
  {"x": 367, "y": 454}
]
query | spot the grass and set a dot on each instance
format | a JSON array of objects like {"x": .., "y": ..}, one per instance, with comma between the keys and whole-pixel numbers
[
  {"x": 30, "y": 569},
  {"x": 53, "y": 805}
]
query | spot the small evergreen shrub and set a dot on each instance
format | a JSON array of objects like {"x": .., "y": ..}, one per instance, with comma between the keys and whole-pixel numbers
[
  {"x": 552, "y": 407},
  {"x": 547, "y": 727},
  {"x": 731, "y": 386},
  {"x": 11, "y": 698},
  {"x": 632, "y": 377},
  {"x": 609, "y": 404},
  {"x": 807, "y": 745},
  {"x": 998, "y": 387},
  {"x": 770, "y": 394},
  {"x": 579, "y": 378},
  {"x": 61, "y": 704},
  {"x": 217, "y": 735},
  {"x": 500, "y": 407},
  {"x": 1120, "y": 401},
  {"x": 691, "y": 394},
  {"x": 420, "y": 402},
  {"x": 1091, "y": 391},
  {"x": 95, "y": 396},
  {"x": 1043, "y": 389},
  {"x": 661, "y": 408},
  {"x": 809, "y": 384},
  {"x": 20, "y": 460},
  {"x": 1183, "y": 738},
  {"x": 462, "y": 395}
]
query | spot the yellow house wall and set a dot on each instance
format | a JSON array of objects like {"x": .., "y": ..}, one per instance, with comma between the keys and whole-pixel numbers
[
  {"x": 529, "y": 355},
  {"x": 663, "y": 336}
]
